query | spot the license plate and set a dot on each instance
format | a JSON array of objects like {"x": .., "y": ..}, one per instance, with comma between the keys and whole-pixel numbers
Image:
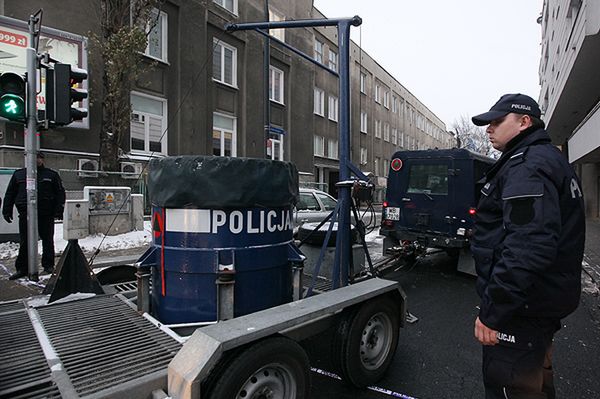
[{"x": 392, "y": 213}]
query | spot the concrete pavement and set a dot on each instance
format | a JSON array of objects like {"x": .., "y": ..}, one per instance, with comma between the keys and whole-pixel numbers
[{"x": 591, "y": 258}]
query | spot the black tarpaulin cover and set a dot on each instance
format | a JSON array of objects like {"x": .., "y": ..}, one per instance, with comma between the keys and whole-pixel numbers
[{"x": 221, "y": 182}]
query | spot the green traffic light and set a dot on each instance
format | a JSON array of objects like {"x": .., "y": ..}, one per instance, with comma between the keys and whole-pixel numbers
[{"x": 12, "y": 107}]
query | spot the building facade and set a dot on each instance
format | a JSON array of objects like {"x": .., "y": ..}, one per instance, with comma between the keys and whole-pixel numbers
[
  {"x": 205, "y": 90},
  {"x": 570, "y": 87}
]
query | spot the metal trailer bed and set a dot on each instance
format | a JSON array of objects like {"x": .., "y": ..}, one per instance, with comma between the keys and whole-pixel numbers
[{"x": 101, "y": 347}]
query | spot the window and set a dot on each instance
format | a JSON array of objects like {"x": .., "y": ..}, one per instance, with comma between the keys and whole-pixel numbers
[
  {"x": 363, "y": 121},
  {"x": 377, "y": 129},
  {"x": 386, "y": 99},
  {"x": 276, "y": 84},
  {"x": 385, "y": 167},
  {"x": 229, "y": 5},
  {"x": 319, "y": 146},
  {"x": 402, "y": 140},
  {"x": 332, "y": 149},
  {"x": 319, "y": 105},
  {"x": 307, "y": 202},
  {"x": 395, "y": 136},
  {"x": 386, "y": 132},
  {"x": 225, "y": 63},
  {"x": 157, "y": 36},
  {"x": 275, "y": 147},
  {"x": 276, "y": 33},
  {"x": 363, "y": 83},
  {"x": 395, "y": 104},
  {"x": 329, "y": 203},
  {"x": 333, "y": 60},
  {"x": 224, "y": 135},
  {"x": 428, "y": 179},
  {"x": 376, "y": 169},
  {"x": 363, "y": 156},
  {"x": 333, "y": 108},
  {"x": 318, "y": 51},
  {"x": 377, "y": 94},
  {"x": 148, "y": 123}
]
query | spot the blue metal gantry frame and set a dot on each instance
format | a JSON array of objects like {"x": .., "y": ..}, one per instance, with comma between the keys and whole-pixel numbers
[{"x": 343, "y": 252}]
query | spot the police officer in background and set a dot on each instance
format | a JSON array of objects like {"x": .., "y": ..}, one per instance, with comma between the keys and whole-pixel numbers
[
  {"x": 528, "y": 247},
  {"x": 51, "y": 203}
]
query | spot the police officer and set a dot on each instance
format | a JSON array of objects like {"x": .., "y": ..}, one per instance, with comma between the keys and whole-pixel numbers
[
  {"x": 528, "y": 247},
  {"x": 51, "y": 202}
]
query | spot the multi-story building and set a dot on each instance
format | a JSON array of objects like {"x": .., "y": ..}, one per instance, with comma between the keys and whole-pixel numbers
[
  {"x": 204, "y": 94},
  {"x": 570, "y": 87}
]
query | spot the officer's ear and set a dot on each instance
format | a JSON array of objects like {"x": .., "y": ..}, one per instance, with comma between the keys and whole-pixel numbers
[{"x": 525, "y": 122}]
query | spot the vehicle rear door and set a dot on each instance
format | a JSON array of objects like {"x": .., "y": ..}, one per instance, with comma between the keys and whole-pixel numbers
[{"x": 428, "y": 195}]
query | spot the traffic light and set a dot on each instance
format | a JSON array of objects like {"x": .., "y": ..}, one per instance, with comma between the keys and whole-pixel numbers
[
  {"x": 13, "y": 97},
  {"x": 60, "y": 94}
]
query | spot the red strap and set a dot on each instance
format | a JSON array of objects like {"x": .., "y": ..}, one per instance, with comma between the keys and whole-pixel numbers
[{"x": 162, "y": 257}]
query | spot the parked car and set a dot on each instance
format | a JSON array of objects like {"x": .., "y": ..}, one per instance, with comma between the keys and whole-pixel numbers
[{"x": 313, "y": 206}]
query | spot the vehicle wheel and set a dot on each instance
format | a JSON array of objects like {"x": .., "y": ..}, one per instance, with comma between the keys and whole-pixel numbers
[
  {"x": 275, "y": 368},
  {"x": 366, "y": 340}
]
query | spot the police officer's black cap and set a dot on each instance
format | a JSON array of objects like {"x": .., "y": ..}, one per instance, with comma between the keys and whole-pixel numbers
[{"x": 517, "y": 103}]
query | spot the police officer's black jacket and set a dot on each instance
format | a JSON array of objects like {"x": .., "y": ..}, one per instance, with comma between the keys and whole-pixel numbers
[
  {"x": 51, "y": 194},
  {"x": 529, "y": 234}
]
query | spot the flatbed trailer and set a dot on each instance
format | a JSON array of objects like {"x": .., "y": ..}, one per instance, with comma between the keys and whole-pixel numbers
[{"x": 102, "y": 347}]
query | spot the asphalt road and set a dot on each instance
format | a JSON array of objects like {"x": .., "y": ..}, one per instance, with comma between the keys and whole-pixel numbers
[{"x": 437, "y": 357}]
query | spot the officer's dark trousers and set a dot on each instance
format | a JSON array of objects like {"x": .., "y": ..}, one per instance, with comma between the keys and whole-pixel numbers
[
  {"x": 46, "y": 232},
  {"x": 520, "y": 365}
]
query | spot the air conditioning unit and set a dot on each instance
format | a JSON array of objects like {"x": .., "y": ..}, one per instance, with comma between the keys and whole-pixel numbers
[
  {"x": 87, "y": 167},
  {"x": 131, "y": 170}
]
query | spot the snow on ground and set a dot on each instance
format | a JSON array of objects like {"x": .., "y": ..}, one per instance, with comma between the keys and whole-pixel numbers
[{"x": 132, "y": 239}]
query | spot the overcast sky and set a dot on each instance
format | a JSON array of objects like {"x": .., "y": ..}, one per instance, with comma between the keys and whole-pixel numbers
[{"x": 457, "y": 56}]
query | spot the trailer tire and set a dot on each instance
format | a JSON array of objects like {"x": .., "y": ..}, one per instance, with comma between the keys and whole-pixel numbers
[
  {"x": 275, "y": 368},
  {"x": 366, "y": 340}
]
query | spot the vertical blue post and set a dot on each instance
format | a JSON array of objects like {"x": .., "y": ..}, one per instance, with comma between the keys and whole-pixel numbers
[{"x": 343, "y": 243}]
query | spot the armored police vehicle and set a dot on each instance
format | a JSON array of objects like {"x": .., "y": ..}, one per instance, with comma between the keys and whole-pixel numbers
[{"x": 430, "y": 202}]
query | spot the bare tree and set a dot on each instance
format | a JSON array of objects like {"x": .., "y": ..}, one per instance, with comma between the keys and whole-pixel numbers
[
  {"x": 124, "y": 28},
  {"x": 473, "y": 138}
]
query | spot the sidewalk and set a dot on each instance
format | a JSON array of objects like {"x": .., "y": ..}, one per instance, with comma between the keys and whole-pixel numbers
[{"x": 591, "y": 257}]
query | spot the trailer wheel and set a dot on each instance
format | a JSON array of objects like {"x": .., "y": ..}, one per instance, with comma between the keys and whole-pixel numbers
[
  {"x": 366, "y": 340},
  {"x": 275, "y": 368}
]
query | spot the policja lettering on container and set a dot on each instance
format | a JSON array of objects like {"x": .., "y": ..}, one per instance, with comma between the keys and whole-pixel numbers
[
  {"x": 213, "y": 220},
  {"x": 528, "y": 247}
]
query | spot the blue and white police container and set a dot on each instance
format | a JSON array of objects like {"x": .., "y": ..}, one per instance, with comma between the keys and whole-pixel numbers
[{"x": 220, "y": 220}]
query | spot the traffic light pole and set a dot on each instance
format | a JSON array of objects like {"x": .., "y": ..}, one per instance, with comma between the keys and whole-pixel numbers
[{"x": 31, "y": 150}]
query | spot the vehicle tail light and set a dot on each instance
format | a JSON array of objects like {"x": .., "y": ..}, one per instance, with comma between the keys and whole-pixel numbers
[
  {"x": 385, "y": 204},
  {"x": 472, "y": 211}
]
